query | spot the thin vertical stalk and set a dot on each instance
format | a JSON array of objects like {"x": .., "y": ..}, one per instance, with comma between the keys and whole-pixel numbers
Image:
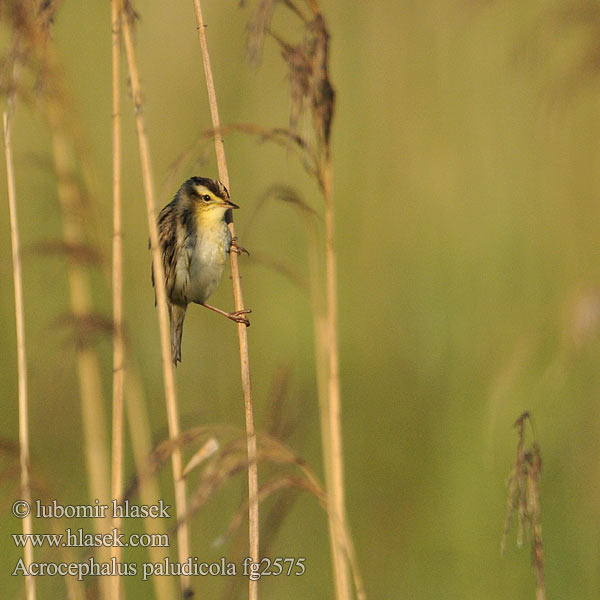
[
  {"x": 117, "y": 290},
  {"x": 21, "y": 355},
  {"x": 333, "y": 451},
  {"x": 161, "y": 297},
  {"x": 253, "y": 517}
]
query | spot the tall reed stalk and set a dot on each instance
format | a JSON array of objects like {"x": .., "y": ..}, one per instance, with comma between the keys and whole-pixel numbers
[
  {"x": 253, "y": 515},
  {"x": 334, "y": 457},
  {"x": 25, "y": 464},
  {"x": 117, "y": 289},
  {"x": 161, "y": 298},
  {"x": 308, "y": 64}
]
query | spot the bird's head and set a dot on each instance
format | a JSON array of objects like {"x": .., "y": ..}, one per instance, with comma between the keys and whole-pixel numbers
[{"x": 211, "y": 197}]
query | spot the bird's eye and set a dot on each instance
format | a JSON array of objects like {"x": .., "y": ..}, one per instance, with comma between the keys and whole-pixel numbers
[{"x": 206, "y": 198}]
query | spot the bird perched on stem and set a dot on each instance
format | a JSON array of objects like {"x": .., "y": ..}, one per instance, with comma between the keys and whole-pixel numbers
[{"x": 194, "y": 240}]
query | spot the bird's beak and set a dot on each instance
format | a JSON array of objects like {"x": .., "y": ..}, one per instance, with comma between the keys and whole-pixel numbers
[{"x": 229, "y": 204}]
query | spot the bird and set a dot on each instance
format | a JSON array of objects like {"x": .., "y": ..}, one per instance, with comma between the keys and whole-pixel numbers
[{"x": 194, "y": 240}]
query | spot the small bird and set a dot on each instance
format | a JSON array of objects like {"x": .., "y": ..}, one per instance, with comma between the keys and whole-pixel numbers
[{"x": 194, "y": 240}]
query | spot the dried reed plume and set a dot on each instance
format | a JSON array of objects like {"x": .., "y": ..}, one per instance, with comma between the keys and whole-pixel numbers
[
  {"x": 524, "y": 499},
  {"x": 252, "y": 466}
]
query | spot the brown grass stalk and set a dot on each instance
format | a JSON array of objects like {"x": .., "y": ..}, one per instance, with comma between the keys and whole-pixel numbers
[
  {"x": 334, "y": 457},
  {"x": 161, "y": 298},
  {"x": 21, "y": 350},
  {"x": 117, "y": 289},
  {"x": 253, "y": 516}
]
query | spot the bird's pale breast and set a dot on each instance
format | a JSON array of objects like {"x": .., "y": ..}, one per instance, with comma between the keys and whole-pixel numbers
[{"x": 208, "y": 261}]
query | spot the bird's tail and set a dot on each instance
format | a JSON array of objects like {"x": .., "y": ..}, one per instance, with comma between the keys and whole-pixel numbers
[{"x": 177, "y": 315}]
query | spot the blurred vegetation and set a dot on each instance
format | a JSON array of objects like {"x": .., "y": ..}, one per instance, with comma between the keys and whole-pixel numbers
[{"x": 466, "y": 155}]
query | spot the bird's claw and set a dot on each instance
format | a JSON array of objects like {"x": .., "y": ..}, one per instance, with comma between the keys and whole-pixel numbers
[
  {"x": 238, "y": 317},
  {"x": 237, "y": 248}
]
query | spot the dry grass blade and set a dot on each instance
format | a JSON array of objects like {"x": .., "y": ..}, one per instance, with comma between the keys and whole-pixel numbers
[
  {"x": 288, "y": 138},
  {"x": 286, "y": 195},
  {"x": 229, "y": 459},
  {"x": 273, "y": 451},
  {"x": 281, "y": 136},
  {"x": 210, "y": 447},
  {"x": 232, "y": 460},
  {"x": 265, "y": 490},
  {"x": 284, "y": 269},
  {"x": 25, "y": 466},
  {"x": 311, "y": 219},
  {"x": 154, "y": 460},
  {"x": 257, "y": 29}
]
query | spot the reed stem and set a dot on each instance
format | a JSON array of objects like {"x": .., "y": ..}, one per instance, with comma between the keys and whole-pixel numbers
[
  {"x": 333, "y": 429},
  {"x": 253, "y": 515},
  {"x": 117, "y": 290},
  {"x": 161, "y": 297},
  {"x": 30, "y": 592}
]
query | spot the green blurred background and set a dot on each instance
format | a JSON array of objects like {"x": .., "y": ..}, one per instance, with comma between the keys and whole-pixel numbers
[{"x": 465, "y": 150}]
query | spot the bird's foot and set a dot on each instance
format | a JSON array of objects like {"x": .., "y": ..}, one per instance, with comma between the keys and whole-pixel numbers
[
  {"x": 235, "y": 247},
  {"x": 238, "y": 316}
]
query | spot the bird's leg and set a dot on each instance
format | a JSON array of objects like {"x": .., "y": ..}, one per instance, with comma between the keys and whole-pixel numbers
[
  {"x": 235, "y": 247},
  {"x": 237, "y": 316}
]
